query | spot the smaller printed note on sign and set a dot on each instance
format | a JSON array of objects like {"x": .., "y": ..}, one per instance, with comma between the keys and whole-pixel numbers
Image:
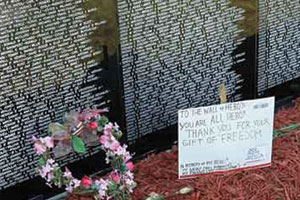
[{"x": 225, "y": 137}]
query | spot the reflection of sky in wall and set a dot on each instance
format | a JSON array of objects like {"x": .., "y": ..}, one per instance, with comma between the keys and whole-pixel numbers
[{"x": 46, "y": 69}]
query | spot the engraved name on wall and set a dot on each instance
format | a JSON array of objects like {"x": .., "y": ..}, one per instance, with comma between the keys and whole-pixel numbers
[
  {"x": 46, "y": 69},
  {"x": 175, "y": 54},
  {"x": 278, "y": 50}
]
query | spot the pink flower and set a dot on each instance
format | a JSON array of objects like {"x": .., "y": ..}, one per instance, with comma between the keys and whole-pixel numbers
[
  {"x": 103, "y": 139},
  {"x": 50, "y": 176},
  {"x": 114, "y": 145},
  {"x": 34, "y": 139},
  {"x": 115, "y": 177},
  {"x": 41, "y": 144},
  {"x": 67, "y": 173},
  {"x": 39, "y": 148},
  {"x": 130, "y": 166},
  {"x": 109, "y": 142},
  {"x": 93, "y": 125},
  {"x": 49, "y": 142},
  {"x": 45, "y": 170},
  {"x": 121, "y": 151},
  {"x": 86, "y": 181},
  {"x": 107, "y": 129}
]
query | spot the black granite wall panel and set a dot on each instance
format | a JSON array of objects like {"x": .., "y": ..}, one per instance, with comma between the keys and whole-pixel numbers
[
  {"x": 46, "y": 69},
  {"x": 279, "y": 47},
  {"x": 175, "y": 54}
]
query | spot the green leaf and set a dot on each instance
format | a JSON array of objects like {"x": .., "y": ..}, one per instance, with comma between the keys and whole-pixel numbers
[
  {"x": 123, "y": 168},
  {"x": 57, "y": 173},
  {"x": 94, "y": 187},
  {"x": 41, "y": 162},
  {"x": 291, "y": 127},
  {"x": 100, "y": 128},
  {"x": 78, "y": 145},
  {"x": 117, "y": 134},
  {"x": 279, "y": 132},
  {"x": 103, "y": 120},
  {"x": 112, "y": 186},
  {"x": 117, "y": 163}
]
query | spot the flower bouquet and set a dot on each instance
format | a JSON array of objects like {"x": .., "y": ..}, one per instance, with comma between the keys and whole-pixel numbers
[{"x": 78, "y": 130}]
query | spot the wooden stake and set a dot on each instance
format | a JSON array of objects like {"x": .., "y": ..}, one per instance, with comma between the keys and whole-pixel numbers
[{"x": 222, "y": 93}]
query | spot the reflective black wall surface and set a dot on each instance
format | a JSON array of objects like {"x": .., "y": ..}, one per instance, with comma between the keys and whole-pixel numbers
[
  {"x": 175, "y": 54},
  {"x": 142, "y": 59},
  {"x": 49, "y": 64},
  {"x": 279, "y": 54},
  {"x": 278, "y": 69}
]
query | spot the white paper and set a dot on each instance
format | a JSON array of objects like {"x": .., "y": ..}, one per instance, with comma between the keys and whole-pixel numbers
[{"x": 225, "y": 137}]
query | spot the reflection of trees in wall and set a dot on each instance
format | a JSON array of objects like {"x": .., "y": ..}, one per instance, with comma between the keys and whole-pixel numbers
[
  {"x": 249, "y": 26},
  {"x": 249, "y": 23},
  {"x": 107, "y": 34}
]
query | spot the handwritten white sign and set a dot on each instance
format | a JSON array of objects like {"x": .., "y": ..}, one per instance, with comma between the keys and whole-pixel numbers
[{"x": 225, "y": 137}]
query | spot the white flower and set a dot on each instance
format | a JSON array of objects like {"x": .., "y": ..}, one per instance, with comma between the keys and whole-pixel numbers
[
  {"x": 50, "y": 161},
  {"x": 49, "y": 177},
  {"x": 121, "y": 151},
  {"x": 49, "y": 142},
  {"x": 73, "y": 184},
  {"x": 116, "y": 126},
  {"x": 67, "y": 173},
  {"x": 129, "y": 182},
  {"x": 129, "y": 174},
  {"x": 76, "y": 183},
  {"x": 102, "y": 187},
  {"x": 69, "y": 189},
  {"x": 45, "y": 170}
]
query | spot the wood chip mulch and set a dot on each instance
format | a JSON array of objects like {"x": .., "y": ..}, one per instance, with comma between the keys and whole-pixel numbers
[{"x": 158, "y": 173}]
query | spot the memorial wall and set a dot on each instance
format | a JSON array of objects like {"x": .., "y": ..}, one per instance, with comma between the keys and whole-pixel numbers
[
  {"x": 175, "y": 55},
  {"x": 47, "y": 67},
  {"x": 278, "y": 43}
]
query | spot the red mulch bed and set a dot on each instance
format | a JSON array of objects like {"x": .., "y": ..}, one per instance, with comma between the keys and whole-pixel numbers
[
  {"x": 281, "y": 181},
  {"x": 158, "y": 173}
]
